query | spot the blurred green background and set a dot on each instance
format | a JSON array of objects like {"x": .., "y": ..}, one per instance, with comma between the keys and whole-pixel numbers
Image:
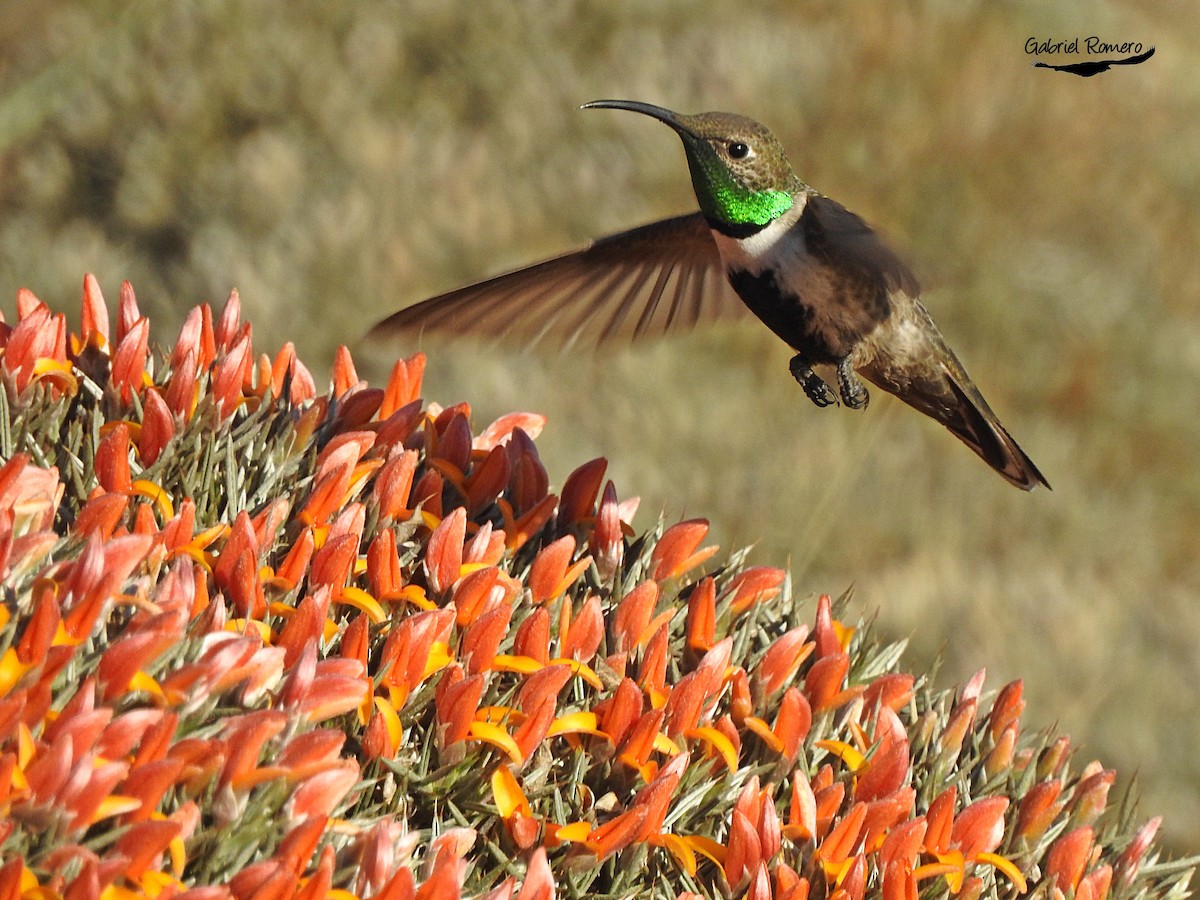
[{"x": 336, "y": 161}]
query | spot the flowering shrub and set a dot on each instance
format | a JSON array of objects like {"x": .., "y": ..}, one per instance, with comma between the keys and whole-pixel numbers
[{"x": 258, "y": 642}]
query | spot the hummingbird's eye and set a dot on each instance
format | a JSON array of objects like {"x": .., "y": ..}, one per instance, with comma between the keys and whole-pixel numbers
[{"x": 738, "y": 150}]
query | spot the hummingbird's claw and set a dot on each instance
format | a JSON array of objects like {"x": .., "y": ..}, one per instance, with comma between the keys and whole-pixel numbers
[
  {"x": 814, "y": 386},
  {"x": 854, "y": 392}
]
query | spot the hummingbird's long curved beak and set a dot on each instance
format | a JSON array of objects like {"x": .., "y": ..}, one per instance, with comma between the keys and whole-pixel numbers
[{"x": 646, "y": 109}]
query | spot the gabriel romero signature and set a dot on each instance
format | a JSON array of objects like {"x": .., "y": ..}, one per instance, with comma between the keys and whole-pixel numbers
[{"x": 1092, "y": 46}]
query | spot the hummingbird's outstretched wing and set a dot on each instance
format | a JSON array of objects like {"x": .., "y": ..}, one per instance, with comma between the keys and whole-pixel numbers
[
  {"x": 645, "y": 282},
  {"x": 912, "y": 361}
]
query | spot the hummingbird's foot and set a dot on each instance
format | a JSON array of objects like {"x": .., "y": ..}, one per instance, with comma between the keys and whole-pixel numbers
[
  {"x": 854, "y": 392},
  {"x": 814, "y": 386}
]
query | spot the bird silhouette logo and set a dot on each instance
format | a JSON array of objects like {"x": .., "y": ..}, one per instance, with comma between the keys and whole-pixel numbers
[{"x": 1088, "y": 68}]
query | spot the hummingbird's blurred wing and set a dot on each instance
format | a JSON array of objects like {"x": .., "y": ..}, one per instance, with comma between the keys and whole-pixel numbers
[{"x": 662, "y": 277}]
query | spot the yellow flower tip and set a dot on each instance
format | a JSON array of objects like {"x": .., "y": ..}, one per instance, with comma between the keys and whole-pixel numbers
[
  {"x": 145, "y": 683},
  {"x": 364, "y": 602},
  {"x": 1008, "y": 867},
  {"x": 12, "y": 670},
  {"x": 156, "y": 495},
  {"x": 114, "y": 805},
  {"x": 664, "y": 744},
  {"x": 719, "y": 744},
  {"x": 507, "y": 793},
  {"x": 391, "y": 720},
  {"x": 583, "y": 670},
  {"x": 497, "y": 737},
  {"x": 582, "y": 722},
  {"x": 575, "y": 832},
  {"x": 522, "y": 665},
  {"x": 845, "y": 752}
]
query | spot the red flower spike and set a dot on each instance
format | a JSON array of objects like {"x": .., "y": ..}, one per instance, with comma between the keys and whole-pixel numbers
[
  {"x": 319, "y": 883},
  {"x": 617, "y": 833},
  {"x": 683, "y": 706},
  {"x": 482, "y": 639},
  {"x": 980, "y": 827},
  {"x": 321, "y": 794},
  {"x": 129, "y": 361},
  {"x": 344, "y": 375},
  {"x": 181, "y": 389},
  {"x": 393, "y": 483},
  {"x": 783, "y": 659},
  {"x": 701, "y": 628},
  {"x": 500, "y": 432},
  {"x": 310, "y": 752},
  {"x": 744, "y": 851},
  {"x": 618, "y": 713},
  {"x": 608, "y": 541},
  {"x": 443, "y": 554},
  {"x": 149, "y": 784},
  {"x": 676, "y": 553},
  {"x": 632, "y": 617},
  {"x": 760, "y": 884},
  {"x": 892, "y": 690},
  {"x": 824, "y": 633},
  {"x": 474, "y": 595},
  {"x": 1039, "y": 808},
  {"x": 1006, "y": 709},
  {"x": 333, "y": 564},
  {"x": 823, "y": 683},
  {"x": 456, "y": 700},
  {"x": 100, "y": 515},
  {"x": 226, "y": 329},
  {"x": 1131, "y": 857},
  {"x": 539, "y": 881},
  {"x": 295, "y": 565},
  {"x": 962, "y": 717},
  {"x": 142, "y": 843},
  {"x": 854, "y": 881},
  {"x": 579, "y": 491},
  {"x": 939, "y": 819},
  {"x": 543, "y": 684},
  {"x": 244, "y": 737},
  {"x": 154, "y": 742},
  {"x": 303, "y": 627},
  {"x": 229, "y": 374},
  {"x": 94, "y": 319},
  {"x": 487, "y": 479},
  {"x": 1067, "y": 859},
  {"x": 548, "y": 574},
  {"x": 132, "y": 651},
  {"x": 39, "y": 633},
  {"x": 533, "y": 730},
  {"x": 756, "y": 584},
  {"x": 1091, "y": 796},
  {"x": 843, "y": 840},
  {"x": 1000, "y": 757},
  {"x": 158, "y": 427},
  {"x": 884, "y": 815},
  {"x": 886, "y": 771},
  {"x": 652, "y": 674},
  {"x": 454, "y": 441},
  {"x": 404, "y": 384},
  {"x": 1054, "y": 758},
  {"x": 533, "y": 636},
  {"x": 741, "y": 700},
  {"x": 528, "y": 482},
  {"x": 789, "y": 885},
  {"x": 112, "y": 460},
  {"x": 586, "y": 632},
  {"x": 530, "y": 523},
  {"x": 793, "y": 723},
  {"x": 1095, "y": 885},
  {"x": 486, "y": 548},
  {"x": 639, "y": 742},
  {"x": 356, "y": 640},
  {"x": 655, "y": 797},
  {"x": 801, "y": 825},
  {"x": 903, "y": 843},
  {"x": 127, "y": 311}
]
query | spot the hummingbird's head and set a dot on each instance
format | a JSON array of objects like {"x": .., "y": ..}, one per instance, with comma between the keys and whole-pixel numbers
[{"x": 739, "y": 171}]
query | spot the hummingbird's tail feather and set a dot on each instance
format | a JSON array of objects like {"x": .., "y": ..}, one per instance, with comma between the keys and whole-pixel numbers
[
  {"x": 976, "y": 425},
  {"x": 946, "y": 394}
]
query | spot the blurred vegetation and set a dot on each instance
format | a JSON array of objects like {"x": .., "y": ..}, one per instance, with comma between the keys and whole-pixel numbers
[{"x": 335, "y": 161}]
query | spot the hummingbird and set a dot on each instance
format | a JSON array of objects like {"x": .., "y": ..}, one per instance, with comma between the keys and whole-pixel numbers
[{"x": 765, "y": 243}]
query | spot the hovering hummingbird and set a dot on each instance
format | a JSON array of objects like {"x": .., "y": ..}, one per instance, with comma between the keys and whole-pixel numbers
[{"x": 764, "y": 241}]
